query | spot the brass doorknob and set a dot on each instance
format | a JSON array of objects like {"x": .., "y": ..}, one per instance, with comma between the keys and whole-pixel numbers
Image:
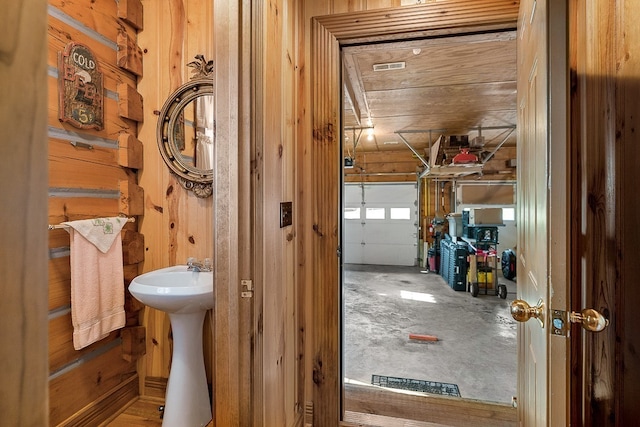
[
  {"x": 522, "y": 311},
  {"x": 590, "y": 319}
]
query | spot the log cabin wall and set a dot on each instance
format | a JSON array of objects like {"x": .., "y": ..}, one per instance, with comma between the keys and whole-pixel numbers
[{"x": 93, "y": 173}]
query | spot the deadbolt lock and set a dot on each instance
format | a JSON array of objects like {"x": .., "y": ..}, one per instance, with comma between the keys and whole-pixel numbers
[{"x": 590, "y": 319}]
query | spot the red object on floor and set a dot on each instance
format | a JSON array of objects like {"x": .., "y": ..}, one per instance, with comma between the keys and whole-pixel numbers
[{"x": 423, "y": 337}]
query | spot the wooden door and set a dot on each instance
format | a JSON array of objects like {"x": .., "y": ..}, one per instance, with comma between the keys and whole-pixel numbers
[{"x": 542, "y": 210}]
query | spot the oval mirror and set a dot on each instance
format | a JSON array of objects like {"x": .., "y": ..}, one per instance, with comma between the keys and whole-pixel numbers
[{"x": 186, "y": 134}]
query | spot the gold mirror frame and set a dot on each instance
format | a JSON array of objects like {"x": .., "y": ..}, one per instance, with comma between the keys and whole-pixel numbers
[{"x": 171, "y": 128}]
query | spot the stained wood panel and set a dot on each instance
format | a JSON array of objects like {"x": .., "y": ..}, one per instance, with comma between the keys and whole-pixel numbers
[
  {"x": 23, "y": 186},
  {"x": 177, "y": 225},
  {"x": 628, "y": 86},
  {"x": 605, "y": 115}
]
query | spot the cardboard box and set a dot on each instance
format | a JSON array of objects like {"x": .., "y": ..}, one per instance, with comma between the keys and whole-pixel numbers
[{"x": 485, "y": 216}]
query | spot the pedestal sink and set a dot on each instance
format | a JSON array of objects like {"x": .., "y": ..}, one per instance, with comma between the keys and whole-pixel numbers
[{"x": 186, "y": 296}]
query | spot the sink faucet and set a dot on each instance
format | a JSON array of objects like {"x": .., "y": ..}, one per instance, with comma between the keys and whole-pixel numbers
[{"x": 196, "y": 266}]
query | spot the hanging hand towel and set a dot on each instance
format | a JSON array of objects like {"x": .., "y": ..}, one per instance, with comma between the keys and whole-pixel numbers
[{"x": 97, "y": 279}]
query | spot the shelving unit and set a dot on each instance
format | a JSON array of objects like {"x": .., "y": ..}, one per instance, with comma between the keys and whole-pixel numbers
[{"x": 483, "y": 261}]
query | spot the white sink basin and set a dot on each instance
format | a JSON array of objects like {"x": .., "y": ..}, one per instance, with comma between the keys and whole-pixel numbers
[
  {"x": 174, "y": 289},
  {"x": 186, "y": 296}
]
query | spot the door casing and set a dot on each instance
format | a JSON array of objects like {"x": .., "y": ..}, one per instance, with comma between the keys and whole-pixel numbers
[{"x": 328, "y": 34}]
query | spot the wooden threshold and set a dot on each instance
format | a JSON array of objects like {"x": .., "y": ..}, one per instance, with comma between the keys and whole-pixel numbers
[{"x": 371, "y": 404}]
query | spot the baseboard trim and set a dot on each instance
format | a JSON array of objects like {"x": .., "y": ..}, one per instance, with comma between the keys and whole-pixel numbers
[
  {"x": 108, "y": 406},
  {"x": 155, "y": 387}
]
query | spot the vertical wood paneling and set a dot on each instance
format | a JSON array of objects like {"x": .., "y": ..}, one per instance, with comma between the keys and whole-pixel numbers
[
  {"x": 605, "y": 113},
  {"x": 230, "y": 402},
  {"x": 596, "y": 77},
  {"x": 323, "y": 240},
  {"x": 176, "y": 225},
  {"x": 277, "y": 149},
  {"x": 23, "y": 208},
  {"x": 627, "y": 233},
  {"x": 606, "y": 75}
]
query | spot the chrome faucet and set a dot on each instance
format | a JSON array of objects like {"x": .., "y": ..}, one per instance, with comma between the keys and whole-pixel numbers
[{"x": 194, "y": 265}]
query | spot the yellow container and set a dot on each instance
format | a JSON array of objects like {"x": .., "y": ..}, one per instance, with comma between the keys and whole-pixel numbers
[{"x": 485, "y": 278}]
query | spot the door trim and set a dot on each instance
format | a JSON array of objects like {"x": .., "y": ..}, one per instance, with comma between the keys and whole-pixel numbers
[{"x": 328, "y": 34}]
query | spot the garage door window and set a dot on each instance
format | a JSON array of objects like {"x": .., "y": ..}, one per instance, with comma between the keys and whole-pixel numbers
[
  {"x": 375, "y": 213},
  {"x": 351, "y": 213},
  {"x": 400, "y": 213}
]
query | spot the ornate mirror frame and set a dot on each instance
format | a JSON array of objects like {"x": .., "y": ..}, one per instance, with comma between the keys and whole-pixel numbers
[{"x": 170, "y": 129}]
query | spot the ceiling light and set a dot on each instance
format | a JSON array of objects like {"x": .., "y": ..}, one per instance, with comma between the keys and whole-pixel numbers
[
  {"x": 370, "y": 134},
  {"x": 390, "y": 143},
  {"x": 416, "y": 51}
]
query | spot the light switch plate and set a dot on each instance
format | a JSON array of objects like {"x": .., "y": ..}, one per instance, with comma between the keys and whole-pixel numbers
[{"x": 286, "y": 214}]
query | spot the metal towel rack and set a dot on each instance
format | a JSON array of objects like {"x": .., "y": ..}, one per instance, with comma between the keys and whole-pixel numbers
[{"x": 57, "y": 226}]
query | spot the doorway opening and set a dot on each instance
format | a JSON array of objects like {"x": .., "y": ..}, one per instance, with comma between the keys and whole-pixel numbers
[{"x": 404, "y": 327}]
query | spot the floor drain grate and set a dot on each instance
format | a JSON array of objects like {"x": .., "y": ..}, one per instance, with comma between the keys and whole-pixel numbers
[{"x": 423, "y": 386}]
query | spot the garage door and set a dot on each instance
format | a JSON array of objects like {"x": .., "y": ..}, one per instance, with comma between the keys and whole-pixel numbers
[{"x": 380, "y": 225}]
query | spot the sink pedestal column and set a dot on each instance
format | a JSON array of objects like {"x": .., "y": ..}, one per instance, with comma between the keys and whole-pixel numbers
[{"x": 187, "y": 401}]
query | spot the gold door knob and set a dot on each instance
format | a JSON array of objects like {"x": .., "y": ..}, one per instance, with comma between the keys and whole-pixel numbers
[
  {"x": 522, "y": 311},
  {"x": 590, "y": 319}
]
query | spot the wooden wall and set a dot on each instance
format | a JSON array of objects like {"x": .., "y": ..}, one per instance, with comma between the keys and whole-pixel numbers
[
  {"x": 89, "y": 384},
  {"x": 274, "y": 169},
  {"x": 605, "y": 119},
  {"x": 23, "y": 209},
  {"x": 176, "y": 225}
]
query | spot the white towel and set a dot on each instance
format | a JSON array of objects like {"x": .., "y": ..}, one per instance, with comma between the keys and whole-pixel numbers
[{"x": 97, "y": 279}]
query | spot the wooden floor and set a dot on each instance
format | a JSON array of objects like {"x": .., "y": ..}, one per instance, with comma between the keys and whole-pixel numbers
[{"x": 143, "y": 412}]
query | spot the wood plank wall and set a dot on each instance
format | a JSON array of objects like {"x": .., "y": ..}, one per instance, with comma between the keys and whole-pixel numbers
[
  {"x": 176, "y": 223},
  {"x": 85, "y": 386},
  {"x": 23, "y": 210},
  {"x": 275, "y": 157},
  {"x": 605, "y": 119}
]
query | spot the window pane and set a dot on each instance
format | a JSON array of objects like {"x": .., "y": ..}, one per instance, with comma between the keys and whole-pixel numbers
[
  {"x": 351, "y": 213},
  {"x": 400, "y": 213},
  {"x": 375, "y": 213},
  {"x": 508, "y": 214}
]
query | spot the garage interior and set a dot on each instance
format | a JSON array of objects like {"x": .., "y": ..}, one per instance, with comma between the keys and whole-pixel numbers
[{"x": 429, "y": 138}]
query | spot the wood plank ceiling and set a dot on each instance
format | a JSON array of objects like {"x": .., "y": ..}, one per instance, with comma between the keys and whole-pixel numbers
[{"x": 450, "y": 85}]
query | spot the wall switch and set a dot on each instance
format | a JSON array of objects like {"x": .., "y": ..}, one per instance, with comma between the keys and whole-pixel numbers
[{"x": 286, "y": 214}]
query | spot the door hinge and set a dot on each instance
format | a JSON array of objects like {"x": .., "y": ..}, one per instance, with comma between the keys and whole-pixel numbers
[{"x": 247, "y": 288}]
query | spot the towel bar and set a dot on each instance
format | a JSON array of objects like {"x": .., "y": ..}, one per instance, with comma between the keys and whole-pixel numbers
[{"x": 57, "y": 226}]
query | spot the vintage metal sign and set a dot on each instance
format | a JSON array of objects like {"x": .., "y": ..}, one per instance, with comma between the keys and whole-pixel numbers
[{"x": 80, "y": 88}]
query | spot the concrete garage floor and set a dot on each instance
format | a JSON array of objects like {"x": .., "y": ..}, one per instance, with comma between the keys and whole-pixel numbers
[{"x": 476, "y": 347}]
